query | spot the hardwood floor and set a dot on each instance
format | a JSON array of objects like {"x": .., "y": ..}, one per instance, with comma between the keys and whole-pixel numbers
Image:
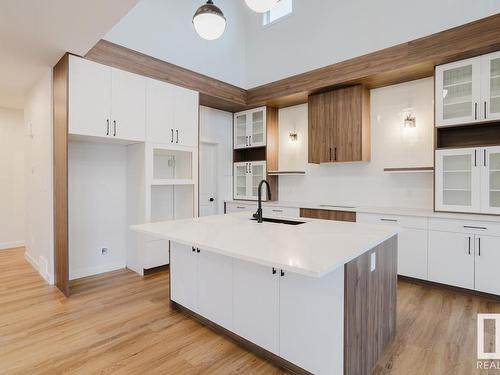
[{"x": 121, "y": 323}]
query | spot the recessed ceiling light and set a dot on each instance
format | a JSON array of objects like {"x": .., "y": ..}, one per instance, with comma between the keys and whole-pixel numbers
[{"x": 209, "y": 21}]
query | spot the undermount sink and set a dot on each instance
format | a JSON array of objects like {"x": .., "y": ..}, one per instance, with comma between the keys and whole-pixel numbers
[{"x": 279, "y": 221}]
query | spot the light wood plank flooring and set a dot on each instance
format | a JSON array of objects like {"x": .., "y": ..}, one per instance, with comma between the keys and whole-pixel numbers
[{"x": 121, "y": 323}]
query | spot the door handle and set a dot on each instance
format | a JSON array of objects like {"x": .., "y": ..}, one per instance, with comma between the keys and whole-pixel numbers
[
  {"x": 107, "y": 126},
  {"x": 177, "y": 135},
  {"x": 211, "y": 199},
  {"x": 114, "y": 128}
]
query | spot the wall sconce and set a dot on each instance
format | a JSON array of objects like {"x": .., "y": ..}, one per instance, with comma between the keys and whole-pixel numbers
[
  {"x": 410, "y": 122},
  {"x": 293, "y": 136}
]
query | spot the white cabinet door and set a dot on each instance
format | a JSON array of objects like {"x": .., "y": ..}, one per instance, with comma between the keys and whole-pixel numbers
[
  {"x": 490, "y": 73},
  {"x": 89, "y": 98},
  {"x": 312, "y": 321},
  {"x": 185, "y": 117},
  {"x": 128, "y": 107},
  {"x": 257, "y": 127},
  {"x": 458, "y": 92},
  {"x": 183, "y": 275},
  {"x": 242, "y": 180},
  {"x": 257, "y": 174},
  {"x": 155, "y": 254},
  {"x": 451, "y": 258},
  {"x": 159, "y": 111},
  {"x": 487, "y": 261},
  {"x": 256, "y": 304},
  {"x": 458, "y": 180},
  {"x": 412, "y": 253},
  {"x": 490, "y": 180},
  {"x": 241, "y": 130},
  {"x": 215, "y": 289}
]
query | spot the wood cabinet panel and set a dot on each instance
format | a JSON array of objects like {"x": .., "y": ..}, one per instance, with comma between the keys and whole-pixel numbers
[
  {"x": 328, "y": 214},
  {"x": 339, "y": 126}
]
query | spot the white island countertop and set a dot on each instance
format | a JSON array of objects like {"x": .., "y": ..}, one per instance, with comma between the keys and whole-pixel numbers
[{"x": 314, "y": 248}]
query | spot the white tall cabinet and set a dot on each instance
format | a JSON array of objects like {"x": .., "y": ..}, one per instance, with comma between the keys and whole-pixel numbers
[
  {"x": 468, "y": 180},
  {"x": 468, "y": 91},
  {"x": 156, "y": 126}
]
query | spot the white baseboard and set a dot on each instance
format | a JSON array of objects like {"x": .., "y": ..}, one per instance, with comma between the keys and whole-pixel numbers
[
  {"x": 11, "y": 245},
  {"x": 90, "y": 271},
  {"x": 35, "y": 264}
]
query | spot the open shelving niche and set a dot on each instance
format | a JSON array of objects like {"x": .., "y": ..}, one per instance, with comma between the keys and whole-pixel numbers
[{"x": 162, "y": 186}]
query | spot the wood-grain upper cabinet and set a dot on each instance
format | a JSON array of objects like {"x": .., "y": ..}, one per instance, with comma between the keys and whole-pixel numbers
[{"x": 339, "y": 125}]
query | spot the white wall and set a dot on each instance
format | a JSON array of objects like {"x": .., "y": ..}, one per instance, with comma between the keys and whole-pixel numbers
[
  {"x": 392, "y": 146},
  {"x": 323, "y": 32},
  {"x": 97, "y": 207},
  {"x": 217, "y": 127},
  {"x": 164, "y": 29},
  {"x": 38, "y": 177},
  {"x": 12, "y": 214}
]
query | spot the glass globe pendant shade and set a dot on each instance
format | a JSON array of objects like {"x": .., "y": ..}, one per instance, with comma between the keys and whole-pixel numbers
[
  {"x": 209, "y": 21},
  {"x": 261, "y": 6}
]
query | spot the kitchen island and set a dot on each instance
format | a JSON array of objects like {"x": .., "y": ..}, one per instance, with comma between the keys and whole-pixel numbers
[{"x": 318, "y": 297}]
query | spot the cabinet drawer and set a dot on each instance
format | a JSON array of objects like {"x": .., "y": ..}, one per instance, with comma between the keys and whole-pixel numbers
[
  {"x": 155, "y": 254},
  {"x": 240, "y": 207},
  {"x": 465, "y": 226},
  {"x": 414, "y": 222},
  {"x": 281, "y": 212}
]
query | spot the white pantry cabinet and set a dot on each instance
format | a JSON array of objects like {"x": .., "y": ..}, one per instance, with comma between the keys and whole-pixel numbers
[
  {"x": 201, "y": 281},
  {"x": 247, "y": 177},
  {"x": 171, "y": 114},
  {"x": 256, "y": 304},
  {"x": 250, "y": 128},
  {"x": 106, "y": 102},
  {"x": 468, "y": 91},
  {"x": 468, "y": 180}
]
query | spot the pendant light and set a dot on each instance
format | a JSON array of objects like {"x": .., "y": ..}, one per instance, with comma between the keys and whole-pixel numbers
[
  {"x": 261, "y": 6},
  {"x": 209, "y": 21}
]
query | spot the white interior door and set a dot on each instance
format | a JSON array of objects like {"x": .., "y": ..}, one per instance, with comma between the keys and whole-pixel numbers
[
  {"x": 89, "y": 98},
  {"x": 458, "y": 92},
  {"x": 458, "y": 180},
  {"x": 208, "y": 179},
  {"x": 487, "y": 260},
  {"x": 128, "y": 108},
  {"x": 490, "y": 180},
  {"x": 490, "y": 73}
]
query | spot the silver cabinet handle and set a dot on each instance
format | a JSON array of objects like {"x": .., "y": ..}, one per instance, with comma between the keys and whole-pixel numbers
[
  {"x": 389, "y": 220},
  {"x": 474, "y": 227}
]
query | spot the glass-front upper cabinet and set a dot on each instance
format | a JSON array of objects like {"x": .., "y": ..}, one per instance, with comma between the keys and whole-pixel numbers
[
  {"x": 458, "y": 182},
  {"x": 247, "y": 176},
  {"x": 490, "y": 72},
  {"x": 250, "y": 128},
  {"x": 458, "y": 92},
  {"x": 490, "y": 180}
]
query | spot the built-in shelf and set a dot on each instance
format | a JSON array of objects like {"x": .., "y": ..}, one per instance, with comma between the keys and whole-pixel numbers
[
  {"x": 409, "y": 170},
  {"x": 286, "y": 173},
  {"x": 171, "y": 181}
]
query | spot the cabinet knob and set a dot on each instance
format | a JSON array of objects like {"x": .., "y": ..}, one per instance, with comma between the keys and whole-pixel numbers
[
  {"x": 282, "y": 273},
  {"x": 198, "y": 251},
  {"x": 274, "y": 271},
  {"x": 193, "y": 249}
]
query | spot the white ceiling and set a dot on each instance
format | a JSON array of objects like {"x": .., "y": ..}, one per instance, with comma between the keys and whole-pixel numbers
[{"x": 34, "y": 34}]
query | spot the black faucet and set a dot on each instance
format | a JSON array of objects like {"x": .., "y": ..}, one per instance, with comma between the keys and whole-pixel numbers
[{"x": 258, "y": 214}]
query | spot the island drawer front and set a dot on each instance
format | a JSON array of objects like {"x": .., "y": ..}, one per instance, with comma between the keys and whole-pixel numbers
[
  {"x": 281, "y": 211},
  {"x": 240, "y": 207},
  {"x": 414, "y": 222},
  {"x": 465, "y": 226}
]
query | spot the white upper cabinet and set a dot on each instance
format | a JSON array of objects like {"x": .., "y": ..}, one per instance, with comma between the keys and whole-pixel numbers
[
  {"x": 490, "y": 71},
  {"x": 128, "y": 105},
  {"x": 458, "y": 180},
  {"x": 106, "y": 102},
  {"x": 89, "y": 98},
  {"x": 468, "y": 91},
  {"x": 250, "y": 128},
  {"x": 490, "y": 180},
  {"x": 171, "y": 114}
]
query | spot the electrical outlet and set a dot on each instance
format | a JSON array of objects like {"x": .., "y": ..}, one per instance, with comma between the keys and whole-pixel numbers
[{"x": 104, "y": 251}]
